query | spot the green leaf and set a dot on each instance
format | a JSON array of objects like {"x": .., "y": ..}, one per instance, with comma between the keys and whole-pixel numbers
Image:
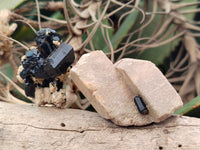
[
  {"x": 78, "y": 1},
  {"x": 20, "y": 96},
  {"x": 9, "y": 72},
  {"x": 24, "y": 33},
  {"x": 190, "y": 109},
  {"x": 9, "y": 4},
  {"x": 158, "y": 54},
  {"x": 98, "y": 39},
  {"x": 123, "y": 30},
  {"x": 57, "y": 15},
  {"x": 189, "y": 16},
  {"x": 7, "y": 69}
]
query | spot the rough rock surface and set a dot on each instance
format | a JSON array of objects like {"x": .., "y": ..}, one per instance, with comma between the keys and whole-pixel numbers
[
  {"x": 25, "y": 127},
  {"x": 146, "y": 80},
  {"x": 97, "y": 78},
  {"x": 111, "y": 91}
]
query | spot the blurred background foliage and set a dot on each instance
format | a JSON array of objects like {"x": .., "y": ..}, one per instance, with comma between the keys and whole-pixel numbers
[{"x": 165, "y": 32}]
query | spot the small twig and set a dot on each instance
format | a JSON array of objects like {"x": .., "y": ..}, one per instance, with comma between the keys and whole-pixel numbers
[
  {"x": 27, "y": 24},
  {"x": 95, "y": 27},
  {"x": 178, "y": 6},
  {"x": 53, "y": 25},
  {"x": 169, "y": 32},
  {"x": 53, "y": 19},
  {"x": 189, "y": 11},
  {"x": 25, "y": 47},
  {"x": 15, "y": 85},
  {"x": 161, "y": 43},
  {"x": 80, "y": 6},
  {"x": 131, "y": 11},
  {"x": 118, "y": 9},
  {"x": 111, "y": 47},
  {"x": 121, "y": 4},
  {"x": 178, "y": 66},
  {"x": 91, "y": 43},
  {"x": 69, "y": 25},
  {"x": 176, "y": 79},
  {"x": 77, "y": 12},
  {"x": 38, "y": 11}
]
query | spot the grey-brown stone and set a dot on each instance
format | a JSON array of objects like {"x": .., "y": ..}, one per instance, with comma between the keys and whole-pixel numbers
[{"x": 28, "y": 127}]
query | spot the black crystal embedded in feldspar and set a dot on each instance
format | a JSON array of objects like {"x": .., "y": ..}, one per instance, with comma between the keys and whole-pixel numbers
[
  {"x": 29, "y": 87},
  {"x": 46, "y": 82},
  {"x": 31, "y": 53},
  {"x": 59, "y": 85},
  {"x": 30, "y": 63},
  {"x": 60, "y": 60},
  {"x": 141, "y": 106},
  {"x": 44, "y": 39},
  {"x": 51, "y": 67},
  {"x": 49, "y": 62}
]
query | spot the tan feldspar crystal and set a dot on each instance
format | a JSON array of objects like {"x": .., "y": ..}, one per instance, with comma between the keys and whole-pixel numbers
[
  {"x": 106, "y": 88},
  {"x": 147, "y": 81}
]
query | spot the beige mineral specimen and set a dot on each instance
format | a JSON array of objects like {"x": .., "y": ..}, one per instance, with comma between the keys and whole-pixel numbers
[
  {"x": 106, "y": 88},
  {"x": 146, "y": 80},
  {"x": 97, "y": 78}
]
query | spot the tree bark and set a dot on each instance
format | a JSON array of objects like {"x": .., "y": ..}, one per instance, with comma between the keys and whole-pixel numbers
[{"x": 31, "y": 127}]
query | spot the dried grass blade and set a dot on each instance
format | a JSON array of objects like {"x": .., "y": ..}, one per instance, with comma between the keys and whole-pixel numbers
[{"x": 15, "y": 85}]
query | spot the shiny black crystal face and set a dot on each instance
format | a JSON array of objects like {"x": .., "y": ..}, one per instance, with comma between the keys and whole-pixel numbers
[
  {"x": 45, "y": 39},
  {"x": 52, "y": 60},
  {"x": 141, "y": 106}
]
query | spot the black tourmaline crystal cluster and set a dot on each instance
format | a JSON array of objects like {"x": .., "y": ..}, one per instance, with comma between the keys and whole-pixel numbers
[{"x": 48, "y": 61}]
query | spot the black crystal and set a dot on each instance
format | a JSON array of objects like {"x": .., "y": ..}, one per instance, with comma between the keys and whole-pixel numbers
[
  {"x": 29, "y": 87},
  {"x": 60, "y": 60},
  {"x": 50, "y": 61},
  {"x": 44, "y": 39},
  {"x": 141, "y": 106}
]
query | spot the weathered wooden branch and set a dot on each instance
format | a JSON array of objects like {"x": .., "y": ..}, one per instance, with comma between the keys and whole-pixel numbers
[{"x": 31, "y": 127}]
